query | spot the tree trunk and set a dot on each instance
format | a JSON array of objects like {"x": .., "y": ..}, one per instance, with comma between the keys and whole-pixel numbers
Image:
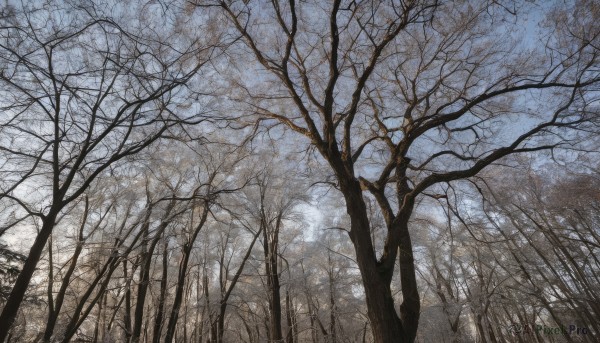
[
  {"x": 146, "y": 263},
  {"x": 53, "y": 315},
  {"x": 289, "y": 338},
  {"x": 158, "y": 321},
  {"x": 270, "y": 249},
  {"x": 387, "y": 326},
  {"x": 127, "y": 310},
  {"x": 79, "y": 314},
  {"x": 144, "y": 280},
  {"x": 50, "y": 290},
  {"x": 221, "y": 321},
  {"x": 183, "y": 267},
  {"x": 332, "y": 307},
  {"x": 178, "y": 294}
]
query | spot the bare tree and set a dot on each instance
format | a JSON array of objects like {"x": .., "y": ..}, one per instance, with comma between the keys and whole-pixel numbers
[
  {"x": 81, "y": 92},
  {"x": 154, "y": 220},
  {"x": 402, "y": 97},
  {"x": 212, "y": 183},
  {"x": 515, "y": 261},
  {"x": 269, "y": 205},
  {"x": 541, "y": 231}
]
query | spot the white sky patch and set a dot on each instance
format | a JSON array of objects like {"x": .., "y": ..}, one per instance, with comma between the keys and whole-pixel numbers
[
  {"x": 20, "y": 239},
  {"x": 313, "y": 217}
]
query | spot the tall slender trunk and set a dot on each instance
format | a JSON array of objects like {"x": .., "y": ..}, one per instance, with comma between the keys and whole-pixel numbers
[
  {"x": 171, "y": 326},
  {"x": 199, "y": 320},
  {"x": 289, "y": 337},
  {"x": 113, "y": 316},
  {"x": 158, "y": 320},
  {"x": 97, "y": 323},
  {"x": 313, "y": 328},
  {"x": 80, "y": 314},
  {"x": 221, "y": 321},
  {"x": 144, "y": 280},
  {"x": 56, "y": 306},
  {"x": 127, "y": 310},
  {"x": 218, "y": 325},
  {"x": 480, "y": 329},
  {"x": 332, "y": 307},
  {"x": 146, "y": 262},
  {"x": 50, "y": 290},
  {"x": 181, "y": 279},
  {"x": 53, "y": 315}
]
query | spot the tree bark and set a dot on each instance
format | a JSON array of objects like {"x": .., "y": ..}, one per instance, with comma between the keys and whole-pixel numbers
[{"x": 387, "y": 326}]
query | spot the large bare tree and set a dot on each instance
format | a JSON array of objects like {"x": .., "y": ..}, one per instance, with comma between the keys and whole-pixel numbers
[{"x": 400, "y": 97}]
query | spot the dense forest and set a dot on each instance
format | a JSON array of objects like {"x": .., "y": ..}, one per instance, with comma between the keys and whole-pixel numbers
[{"x": 299, "y": 171}]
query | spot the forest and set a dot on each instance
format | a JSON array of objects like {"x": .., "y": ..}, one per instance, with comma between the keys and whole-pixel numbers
[{"x": 340, "y": 171}]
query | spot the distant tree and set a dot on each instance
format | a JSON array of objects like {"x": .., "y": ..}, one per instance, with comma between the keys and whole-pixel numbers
[
  {"x": 271, "y": 204},
  {"x": 550, "y": 229}
]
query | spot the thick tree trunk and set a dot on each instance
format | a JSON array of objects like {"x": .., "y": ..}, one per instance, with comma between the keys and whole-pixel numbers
[
  {"x": 410, "y": 309},
  {"x": 387, "y": 326},
  {"x": 385, "y": 322},
  {"x": 9, "y": 313}
]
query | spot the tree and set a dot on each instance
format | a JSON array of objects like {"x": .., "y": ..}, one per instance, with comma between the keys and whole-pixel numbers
[
  {"x": 228, "y": 274},
  {"x": 515, "y": 260},
  {"x": 82, "y": 91},
  {"x": 269, "y": 205},
  {"x": 402, "y": 97},
  {"x": 212, "y": 183},
  {"x": 540, "y": 230},
  {"x": 428, "y": 126}
]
